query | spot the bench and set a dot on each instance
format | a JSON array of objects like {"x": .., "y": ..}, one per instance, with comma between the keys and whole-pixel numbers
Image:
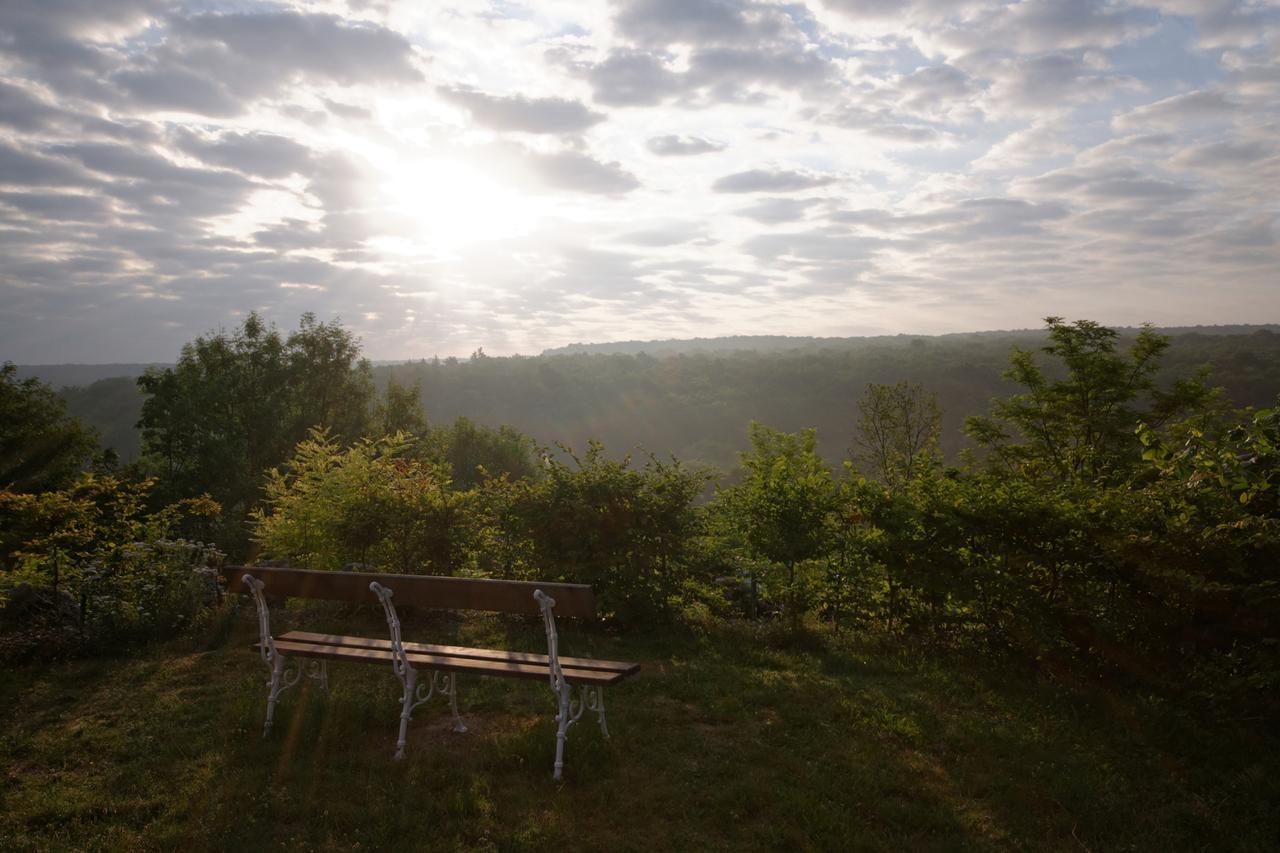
[{"x": 296, "y": 653}]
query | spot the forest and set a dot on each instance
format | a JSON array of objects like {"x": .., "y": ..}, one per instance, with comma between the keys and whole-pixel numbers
[
  {"x": 1088, "y": 506},
  {"x": 692, "y": 399}
]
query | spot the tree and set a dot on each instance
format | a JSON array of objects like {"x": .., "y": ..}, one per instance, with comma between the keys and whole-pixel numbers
[
  {"x": 1080, "y": 426},
  {"x": 897, "y": 432},
  {"x": 41, "y": 447},
  {"x": 370, "y": 503},
  {"x": 400, "y": 410},
  {"x": 472, "y": 450},
  {"x": 624, "y": 529},
  {"x": 236, "y": 404},
  {"x": 782, "y": 504}
]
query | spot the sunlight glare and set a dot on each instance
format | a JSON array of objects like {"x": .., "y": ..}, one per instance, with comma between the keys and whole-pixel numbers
[{"x": 444, "y": 205}]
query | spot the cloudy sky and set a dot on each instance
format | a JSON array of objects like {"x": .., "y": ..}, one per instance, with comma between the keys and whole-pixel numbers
[{"x": 520, "y": 175}]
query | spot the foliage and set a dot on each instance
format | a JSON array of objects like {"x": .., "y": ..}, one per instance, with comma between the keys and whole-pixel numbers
[
  {"x": 236, "y": 404},
  {"x": 898, "y": 431},
  {"x": 627, "y": 531},
  {"x": 119, "y": 563},
  {"x": 41, "y": 447},
  {"x": 694, "y": 405},
  {"x": 372, "y": 504},
  {"x": 1080, "y": 426},
  {"x": 782, "y": 503},
  {"x": 399, "y": 410},
  {"x": 473, "y": 452}
]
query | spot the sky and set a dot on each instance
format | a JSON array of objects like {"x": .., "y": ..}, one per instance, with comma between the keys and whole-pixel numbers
[{"x": 445, "y": 176}]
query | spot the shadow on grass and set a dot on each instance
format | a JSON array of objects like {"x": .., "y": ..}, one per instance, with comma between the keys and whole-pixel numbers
[{"x": 730, "y": 739}]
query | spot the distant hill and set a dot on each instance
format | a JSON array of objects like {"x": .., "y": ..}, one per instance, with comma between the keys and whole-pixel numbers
[
  {"x": 112, "y": 406},
  {"x": 694, "y": 399},
  {"x": 777, "y": 343},
  {"x": 63, "y": 375}
]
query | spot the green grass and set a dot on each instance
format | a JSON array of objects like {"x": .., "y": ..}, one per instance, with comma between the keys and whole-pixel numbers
[{"x": 732, "y": 738}]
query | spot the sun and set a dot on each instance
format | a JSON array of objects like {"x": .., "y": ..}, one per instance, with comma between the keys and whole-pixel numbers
[{"x": 443, "y": 205}]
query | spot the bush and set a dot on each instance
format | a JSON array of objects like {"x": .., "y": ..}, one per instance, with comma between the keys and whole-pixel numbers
[{"x": 90, "y": 566}]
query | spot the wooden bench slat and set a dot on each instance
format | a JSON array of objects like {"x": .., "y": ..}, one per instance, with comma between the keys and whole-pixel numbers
[
  {"x": 452, "y": 664},
  {"x": 612, "y": 666},
  {"x": 572, "y": 599}
]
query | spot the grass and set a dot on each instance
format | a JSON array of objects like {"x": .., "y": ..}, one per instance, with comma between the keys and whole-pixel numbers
[{"x": 732, "y": 738}]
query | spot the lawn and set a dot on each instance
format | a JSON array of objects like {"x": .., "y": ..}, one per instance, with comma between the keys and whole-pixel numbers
[{"x": 733, "y": 737}]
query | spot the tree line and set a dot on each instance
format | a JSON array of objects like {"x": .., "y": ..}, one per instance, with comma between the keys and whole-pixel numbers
[
  {"x": 1106, "y": 518},
  {"x": 693, "y": 404}
]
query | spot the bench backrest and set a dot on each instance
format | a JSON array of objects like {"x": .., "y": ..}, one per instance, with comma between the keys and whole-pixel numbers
[{"x": 572, "y": 599}]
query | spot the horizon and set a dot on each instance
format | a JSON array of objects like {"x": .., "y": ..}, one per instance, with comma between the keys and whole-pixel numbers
[
  {"x": 1240, "y": 329},
  {"x": 526, "y": 177}
]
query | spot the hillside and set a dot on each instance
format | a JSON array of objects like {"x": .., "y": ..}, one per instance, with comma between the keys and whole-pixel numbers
[
  {"x": 776, "y": 343},
  {"x": 697, "y": 404}
]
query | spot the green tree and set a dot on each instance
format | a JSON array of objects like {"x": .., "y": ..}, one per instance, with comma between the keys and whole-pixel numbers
[
  {"x": 897, "y": 431},
  {"x": 1076, "y": 422},
  {"x": 781, "y": 506},
  {"x": 473, "y": 450},
  {"x": 236, "y": 404},
  {"x": 41, "y": 447},
  {"x": 624, "y": 529},
  {"x": 370, "y": 503},
  {"x": 400, "y": 410}
]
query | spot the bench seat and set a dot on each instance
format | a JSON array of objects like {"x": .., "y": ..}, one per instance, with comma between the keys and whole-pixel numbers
[{"x": 601, "y": 673}]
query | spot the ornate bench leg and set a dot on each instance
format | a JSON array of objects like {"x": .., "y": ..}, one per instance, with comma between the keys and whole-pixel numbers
[
  {"x": 273, "y": 692},
  {"x": 448, "y": 684},
  {"x": 319, "y": 670},
  {"x": 406, "y": 709},
  {"x": 594, "y": 698},
  {"x": 415, "y": 693},
  {"x": 284, "y": 674},
  {"x": 562, "y": 732}
]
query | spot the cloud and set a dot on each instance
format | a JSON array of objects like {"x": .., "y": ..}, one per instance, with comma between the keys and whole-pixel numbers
[
  {"x": 58, "y": 207},
  {"x": 521, "y": 113},
  {"x": 23, "y": 168},
  {"x": 963, "y": 221},
  {"x": 1224, "y": 23},
  {"x": 682, "y": 146},
  {"x": 882, "y": 124},
  {"x": 715, "y": 73},
  {"x": 936, "y": 89},
  {"x": 658, "y": 23},
  {"x": 1051, "y": 82},
  {"x": 1033, "y": 26},
  {"x": 21, "y": 111},
  {"x": 263, "y": 154},
  {"x": 668, "y": 234},
  {"x": 216, "y": 64},
  {"x": 322, "y": 46},
  {"x": 1114, "y": 184},
  {"x": 1227, "y": 153},
  {"x": 771, "y": 180},
  {"x": 165, "y": 163},
  {"x": 773, "y": 211},
  {"x": 1177, "y": 111},
  {"x": 630, "y": 78},
  {"x": 577, "y": 172},
  {"x": 1043, "y": 140}
]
